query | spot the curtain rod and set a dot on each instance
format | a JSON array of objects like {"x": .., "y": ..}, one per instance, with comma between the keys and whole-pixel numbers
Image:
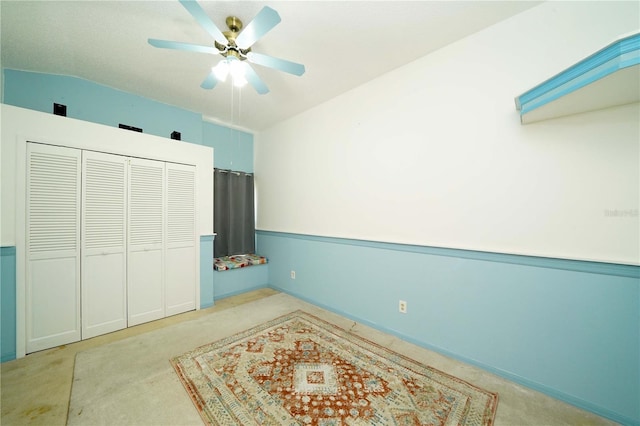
[{"x": 237, "y": 173}]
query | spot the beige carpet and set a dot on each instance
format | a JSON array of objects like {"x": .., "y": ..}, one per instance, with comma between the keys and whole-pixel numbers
[{"x": 131, "y": 382}]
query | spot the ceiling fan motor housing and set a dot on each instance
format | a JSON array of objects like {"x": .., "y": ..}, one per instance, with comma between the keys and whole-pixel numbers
[{"x": 231, "y": 49}]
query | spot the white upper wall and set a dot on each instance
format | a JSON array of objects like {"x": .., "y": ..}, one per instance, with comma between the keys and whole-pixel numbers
[
  {"x": 434, "y": 154},
  {"x": 20, "y": 125}
]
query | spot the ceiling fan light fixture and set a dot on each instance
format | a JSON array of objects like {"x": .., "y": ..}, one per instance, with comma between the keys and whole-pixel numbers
[
  {"x": 221, "y": 71},
  {"x": 236, "y": 68},
  {"x": 233, "y": 67}
]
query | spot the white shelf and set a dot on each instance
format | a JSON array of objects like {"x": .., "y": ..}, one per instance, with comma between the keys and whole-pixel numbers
[{"x": 610, "y": 77}]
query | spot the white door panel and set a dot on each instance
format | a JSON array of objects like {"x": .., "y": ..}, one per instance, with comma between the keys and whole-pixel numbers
[
  {"x": 53, "y": 246},
  {"x": 180, "y": 278},
  {"x": 104, "y": 255},
  {"x": 146, "y": 296},
  {"x": 146, "y": 239},
  {"x": 53, "y": 300},
  {"x": 104, "y": 306},
  {"x": 180, "y": 258}
]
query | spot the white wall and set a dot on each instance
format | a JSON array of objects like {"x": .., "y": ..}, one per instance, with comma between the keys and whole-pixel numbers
[
  {"x": 19, "y": 125},
  {"x": 434, "y": 154}
]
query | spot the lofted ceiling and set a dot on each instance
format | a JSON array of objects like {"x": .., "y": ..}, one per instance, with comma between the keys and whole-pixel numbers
[{"x": 342, "y": 44}]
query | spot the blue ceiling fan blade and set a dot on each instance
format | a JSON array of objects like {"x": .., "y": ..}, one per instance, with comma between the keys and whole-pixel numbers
[
  {"x": 279, "y": 64},
  {"x": 199, "y": 14},
  {"x": 209, "y": 82},
  {"x": 166, "y": 44},
  {"x": 264, "y": 21},
  {"x": 253, "y": 79}
]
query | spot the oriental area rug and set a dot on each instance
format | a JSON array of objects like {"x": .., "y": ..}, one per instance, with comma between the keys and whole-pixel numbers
[{"x": 300, "y": 370}]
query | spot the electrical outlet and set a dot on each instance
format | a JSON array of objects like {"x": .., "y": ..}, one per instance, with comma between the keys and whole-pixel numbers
[
  {"x": 293, "y": 275},
  {"x": 402, "y": 306}
]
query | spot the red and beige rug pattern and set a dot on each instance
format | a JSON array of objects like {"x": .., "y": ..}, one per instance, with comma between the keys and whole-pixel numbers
[{"x": 300, "y": 370}]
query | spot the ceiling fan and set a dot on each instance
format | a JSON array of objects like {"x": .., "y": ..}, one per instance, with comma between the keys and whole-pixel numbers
[{"x": 235, "y": 46}]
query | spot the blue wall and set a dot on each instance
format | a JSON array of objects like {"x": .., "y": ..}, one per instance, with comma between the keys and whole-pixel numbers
[
  {"x": 8, "y": 303},
  {"x": 236, "y": 281},
  {"x": 566, "y": 328},
  {"x": 88, "y": 101},
  {"x": 92, "y": 102},
  {"x": 206, "y": 271},
  {"x": 233, "y": 148}
]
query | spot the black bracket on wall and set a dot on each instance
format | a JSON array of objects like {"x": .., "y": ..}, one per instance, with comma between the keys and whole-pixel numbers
[
  {"x": 176, "y": 136},
  {"x": 60, "y": 109},
  {"x": 127, "y": 127}
]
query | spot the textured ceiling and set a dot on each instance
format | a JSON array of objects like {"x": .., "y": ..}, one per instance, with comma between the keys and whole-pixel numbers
[{"x": 342, "y": 44}]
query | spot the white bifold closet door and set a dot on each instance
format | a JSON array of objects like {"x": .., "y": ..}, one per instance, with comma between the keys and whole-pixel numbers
[
  {"x": 52, "y": 288},
  {"x": 180, "y": 255},
  {"x": 104, "y": 249},
  {"x": 146, "y": 239}
]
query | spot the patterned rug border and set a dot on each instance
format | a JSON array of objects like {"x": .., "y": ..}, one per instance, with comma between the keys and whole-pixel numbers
[{"x": 362, "y": 342}]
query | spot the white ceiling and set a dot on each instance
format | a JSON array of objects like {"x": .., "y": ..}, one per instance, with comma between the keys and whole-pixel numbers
[{"x": 342, "y": 44}]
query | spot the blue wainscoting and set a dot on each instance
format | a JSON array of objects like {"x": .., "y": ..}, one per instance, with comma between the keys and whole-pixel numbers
[
  {"x": 206, "y": 271},
  {"x": 565, "y": 328},
  {"x": 8, "y": 303},
  {"x": 236, "y": 281}
]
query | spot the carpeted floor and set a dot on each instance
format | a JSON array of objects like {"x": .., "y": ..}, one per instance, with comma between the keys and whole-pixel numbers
[
  {"x": 36, "y": 389},
  {"x": 131, "y": 381}
]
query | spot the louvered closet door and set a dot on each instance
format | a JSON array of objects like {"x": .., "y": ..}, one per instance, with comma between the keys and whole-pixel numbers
[
  {"x": 180, "y": 255},
  {"x": 145, "y": 286},
  {"x": 104, "y": 250},
  {"x": 53, "y": 246}
]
